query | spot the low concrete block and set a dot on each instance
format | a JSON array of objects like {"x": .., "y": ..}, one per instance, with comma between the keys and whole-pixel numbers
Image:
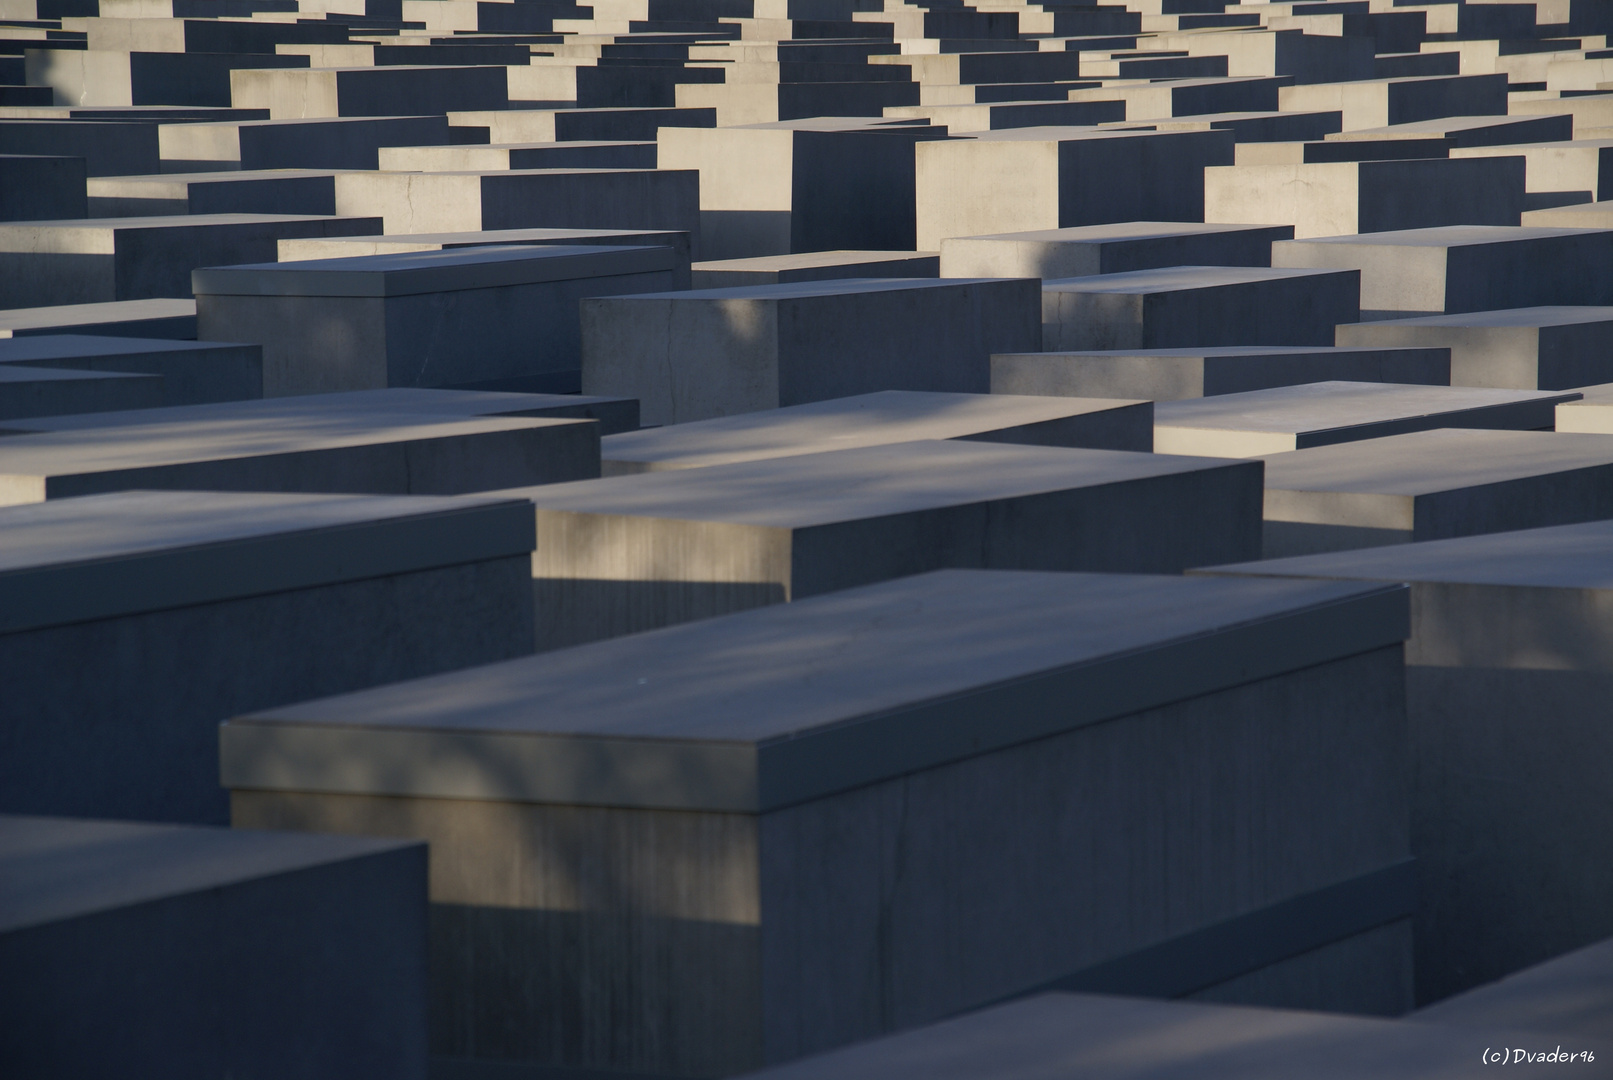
[
  {"x": 1545, "y": 348},
  {"x": 1432, "y": 485},
  {"x": 495, "y": 317},
  {"x": 206, "y": 947},
  {"x": 109, "y": 148},
  {"x": 1506, "y": 688},
  {"x": 1109, "y": 249},
  {"x": 766, "y": 346},
  {"x": 1172, "y": 374},
  {"x": 1567, "y": 995},
  {"x": 189, "y": 372},
  {"x": 30, "y": 391},
  {"x": 529, "y": 155},
  {"x": 391, "y": 90},
  {"x": 1375, "y": 103},
  {"x": 93, "y": 260},
  {"x": 1182, "y": 306},
  {"x": 1319, "y": 414},
  {"x": 156, "y": 318},
  {"x": 778, "y": 804},
  {"x": 265, "y": 191},
  {"x": 350, "y": 142},
  {"x": 818, "y": 266},
  {"x": 1465, "y": 268},
  {"x": 115, "y": 602},
  {"x": 888, "y": 416}
]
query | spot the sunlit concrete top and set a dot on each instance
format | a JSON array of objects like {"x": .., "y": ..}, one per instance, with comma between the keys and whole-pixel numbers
[
  {"x": 889, "y": 416},
  {"x": 161, "y": 317},
  {"x": 54, "y": 869},
  {"x": 1316, "y": 414},
  {"x": 74, "y": 560},
  {"x": 784, "y": 704}
]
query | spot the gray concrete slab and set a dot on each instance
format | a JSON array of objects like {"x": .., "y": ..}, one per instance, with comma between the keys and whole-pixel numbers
[
  {"x": 1546, "y": 348},
  {"x": 1430, "y": 485},
  {"x": 499, "y": 317},
  {"x": 30, "y": 391},
  {"x": 155, "y": 318},
  {"x": 818, "y": 266},
  {"x": 39, "y": 187},
  {"x": 635, "y": 552},
  {"x": 257, "y": 191},
  {"x": 1106, "y": 1038},
  {"x": 192, "y": 372},
  {"x": 581, "y": 154},
  {"x": 113, "y": 603},
  {"x": 887, "y": 416},
  {"x": 206, "y": 947},
  {"x": 1109, "y": 249},
  {"x": 1591, "y": 413},
  {"x": 1172, "y": 374},
  {"x": 1572, "y": 994},
  {"x": 390, "y": 90},
  {"x": 795, "y": 732},
  {"x": 1181, "y": 306},
  {"x": 715, "y": 352},
  {"x": 1507, "y": 682},
  {"x": 93, "y": 260},
  {"x": 1464, "y": 268},
  {"x": 312, "y": 143},
  {"x": 1284, "y": 418},
  {"x": 1595, "y": 215},
  {"x": 408, "y": 405},
  {"x": 231, "y": 449}
]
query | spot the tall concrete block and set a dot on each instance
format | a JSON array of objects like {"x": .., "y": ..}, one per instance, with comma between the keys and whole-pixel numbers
[
  {"x": 749, "y": 831},
  {"x": 738, "y": 350}
]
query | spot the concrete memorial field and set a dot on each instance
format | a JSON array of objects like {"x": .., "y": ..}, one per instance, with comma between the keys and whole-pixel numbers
[{"x": 962, "y": 539}]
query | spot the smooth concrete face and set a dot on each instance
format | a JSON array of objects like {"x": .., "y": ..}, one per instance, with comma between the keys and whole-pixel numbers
[
  {"x": 258, "y": 191},
  {"x": 595, "y": 755},
  {"x": 1572, "y": 994},
  {"x": 109, "y": 605},
  {"x": 1430, "y": 485},
  {"x": 328, "y": 143},
  {"x": 889, "y": 416},
  {"x": 818, "y": 266},
  {"x": 1173, "y": 374},
  {"x": 326, "y": 451},
  {"x": 1592, "y": 413},
  {"x": 1464, "y": 268},
  {"x": 1318, "y": 414},
  {"x": 407, "y": 405},
  {"x": 1507, "y": 684},
  {"x": 635, "y": 552},
  {"x": 1376, "y": 103},
  {"x": 160, "y": 318},
  {"x": 1196, "y": 305},
  {"x": 1546, "y": 348},
  {"x": 1109, "y": 249},
  {"x": 1056, "y": 178},
  {"x": 716, "y": 352},
  {"x": 1107, "y": 1038},
  {"x": 187, "y": 372},
  {"x": 28, "y": 392},
  {"x": 490, "y": 317},
  {"x": 1330, "y": 198},
  {"x": 93, "y": 260},
  {"x": 206, "y": 947},
  {"x": 1583, "y": 167}
]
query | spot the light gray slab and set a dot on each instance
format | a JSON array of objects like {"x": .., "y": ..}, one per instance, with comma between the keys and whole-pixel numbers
[
  {"x": 888, "y": 416},
  {"x": 74, "y": 560},
  {"x": 775, "y": 706},
  {"x": 1057, "y": 1036},
  {"x": 55, "y": 869},
  {"x": 815, "y": 266},
  {"x": 1317, "y": 414},
  {"x": 396, "y": 404},
  {"x": 156, "y": 318},
  {"x": 1172, "y": 374},
  {"x": 1551, "y": 348},
  {"x": 1085, "y": 250}
]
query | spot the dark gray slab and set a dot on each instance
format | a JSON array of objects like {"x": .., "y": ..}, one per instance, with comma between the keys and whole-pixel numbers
[
  {"x": 191, "y": 952},
  {"x": 157, "y": 318},
  {"x": 1571, "y": 995},
  {"x": 817, "y": 266},
  {"x": 1108, "y": 249},
  {"x": 28, "y": 392},
  {"x": 191, "y": 372}
]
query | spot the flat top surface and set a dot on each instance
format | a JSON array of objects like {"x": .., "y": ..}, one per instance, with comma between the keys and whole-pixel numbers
[
  {"x": 286, "y": 415},
  {"x": 76, "y": 346},
  {"x": 1444, "y": 459},
  {"x": 132, "y": 446},
  {"x": 798, "y": 290},
  {"x": 1571, "y": 994},
  {"x": 163, "y": 221},
  {"x": 772, "y": 673},
  {"x": 60, "y": 868},
  {"x": 1064, "y": 1036},
  {"x": 134, "y": 523},
  {"x": 889, "y": 416},
  {"x": 1178, "y": 278},
  {"x": 813, "y": 258},
  {"x": 1127, "y": 230},
  {"x": 1561, "y": 556},
  {"x": 1324, "y": 406},
  {"x": 1530, "y": 316},
  {"x": 109, "y": 311},
  {"x": 1448, "y": 236},
  {"x": 847, "y": 485}
]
